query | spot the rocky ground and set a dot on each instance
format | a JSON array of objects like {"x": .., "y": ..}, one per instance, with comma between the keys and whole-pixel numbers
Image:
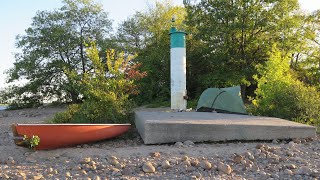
[{"x": 128, "y": 158}]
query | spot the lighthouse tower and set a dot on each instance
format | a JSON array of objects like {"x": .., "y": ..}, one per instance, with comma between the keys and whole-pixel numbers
[{"x": 178, "y": 69}]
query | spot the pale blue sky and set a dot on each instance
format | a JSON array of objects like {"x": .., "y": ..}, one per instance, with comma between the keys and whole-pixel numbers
[{"x": 16, "y": 16}]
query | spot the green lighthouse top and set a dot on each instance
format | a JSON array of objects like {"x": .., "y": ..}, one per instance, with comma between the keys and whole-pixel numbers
[{"x": 177, "y": 38}]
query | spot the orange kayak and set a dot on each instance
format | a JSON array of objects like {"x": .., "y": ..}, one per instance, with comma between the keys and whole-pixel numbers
[{"x": 54, "y": 136}]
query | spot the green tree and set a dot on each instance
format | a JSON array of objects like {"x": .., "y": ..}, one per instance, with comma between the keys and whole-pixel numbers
[
  {"x": 307, "y": 64},
  {"x": 53, "y": 44},
  {"x": 131, "y": 35},
  {"x": 147, "y": 35},
  {"x": 235, "y": 37},
  {"x": 274, "y": 80}
]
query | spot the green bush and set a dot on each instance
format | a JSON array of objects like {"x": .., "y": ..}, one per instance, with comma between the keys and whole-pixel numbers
[
  {"x": 106, "y": 90},
  {"x": 66, "y": 116},
  {"x": 279, "y": 94},
  {"x": 295, "y": 102},
  {"x": 192, "y": 103},
  {"x": 308, "y": 105},
  {"x": 158, "y": 103}
]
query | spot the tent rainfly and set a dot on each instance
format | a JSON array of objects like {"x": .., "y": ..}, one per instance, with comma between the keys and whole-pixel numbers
[{"x": 223, "y": 100}]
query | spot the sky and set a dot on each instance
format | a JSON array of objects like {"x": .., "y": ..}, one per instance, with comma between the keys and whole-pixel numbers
[{"x": 16, "y": 16}]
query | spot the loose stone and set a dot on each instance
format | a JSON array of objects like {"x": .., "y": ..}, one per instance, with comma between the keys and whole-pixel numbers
[
  {"x": 77, "y": 168},
  {"x": 198, "y": 174},
  {"x": 290, "y": 154},
  {"x": 37, "y": 177},
  {"x": 315, "y": 174},
  {"x": 251, "y": 157},
  {"x": 127, "y": 171},
  {"x": 247, "y": 154},
  {"x": 304, "y": 170},
  {"x": 194, "y": 162},
  {"x": 165, "y": 164},
  {"x": 186, "y": 163},
  {"x": 291, "y": 144},
  {"x": 116, "y": 172},
  {"x": 237, "y": 158},
  {"x": 224, "y": 168},
  {"x": 185, "y": 158},
  {"x": 178, "y": 144},
  {"x": 148, "y": 167},
  {"x": 248, "y": 164},
  {"x": 85, "y": 160},
  {"x": 113, "y": 157},
  {"x": 296, "y": 140},
  {"x": 10, "y": 161},
  {"x": 114, "y": 162},
  {"x": 21, "y": 113},
  {"x": 263, "y": 175},
  {"x": 287, "y": 172},
  {"x": 259, "y": 146},
  {"x": 93, "y": 167},
  {"x": 86, "y": 166},
  {"x": 191, "y": 168},
  {"x": 188, "y": 143},
  {"x": 97, "y": 178},
  {"x": 257, "y": 151},
  {"x": 50, "y": 170},
  {"x": 206, "y": 165},
  {"x": 291, "y": 166},
  {"x": 155, "y": 154},
  {"x": 262, "y": 155},
  {"x": 92, "y": 163},
  {"x": 68, "y": 174},
  {"x": 194, "y": 177}
]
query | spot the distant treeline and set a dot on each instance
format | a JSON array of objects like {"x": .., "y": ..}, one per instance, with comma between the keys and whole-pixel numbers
[{"x": 270, "y": 48}]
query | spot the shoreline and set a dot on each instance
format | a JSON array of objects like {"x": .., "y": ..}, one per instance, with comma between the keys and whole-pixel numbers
[
  {"x": 128, "y": 158},
  {"x": 3, "y": 107}
]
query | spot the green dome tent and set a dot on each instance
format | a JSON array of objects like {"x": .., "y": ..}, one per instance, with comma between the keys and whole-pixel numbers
[{"x": 224, "y": 100}]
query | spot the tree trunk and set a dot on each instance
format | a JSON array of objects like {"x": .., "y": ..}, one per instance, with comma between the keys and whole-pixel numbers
[
  {"x": 82, "y": 54},
  {"x": 74, "y": 97}
]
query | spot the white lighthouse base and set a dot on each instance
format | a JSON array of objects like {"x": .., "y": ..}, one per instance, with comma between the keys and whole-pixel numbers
[
  {"x": 178, "y": 78},
  {"x": 177, "y": 101}
]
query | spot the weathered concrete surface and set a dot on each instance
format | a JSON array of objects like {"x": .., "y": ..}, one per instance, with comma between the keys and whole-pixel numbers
[{"x": 156, "y": 127}]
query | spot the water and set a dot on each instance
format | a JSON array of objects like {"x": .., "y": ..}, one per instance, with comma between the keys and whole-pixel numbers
[{"x": 3, "y": 107}]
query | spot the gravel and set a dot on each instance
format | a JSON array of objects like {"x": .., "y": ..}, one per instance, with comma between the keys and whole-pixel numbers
[{"x": 127, "y": 159}]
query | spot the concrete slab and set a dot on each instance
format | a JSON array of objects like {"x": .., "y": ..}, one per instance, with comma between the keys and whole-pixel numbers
[{"x": 156, "y": 127}]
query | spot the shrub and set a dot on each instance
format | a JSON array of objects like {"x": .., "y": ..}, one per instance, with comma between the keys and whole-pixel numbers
[
  {"x": 106, "y": 90},
  {"x": 31, "y": 142},
  {"x": 308, "y": 105},
  {"x": 293, "y": 102},
  {"x": 279, "y": 94}
]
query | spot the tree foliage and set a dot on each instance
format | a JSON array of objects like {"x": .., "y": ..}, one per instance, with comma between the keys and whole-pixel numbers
[
  {"x": 307, "y": 61},
  {"x": 55, "y": 42},
  {"x": 106, "y": 88},
  {"x": 235, "y": 37},
  {"x": 146, "y": 33},
  {"x": 279, "y": 94}
]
